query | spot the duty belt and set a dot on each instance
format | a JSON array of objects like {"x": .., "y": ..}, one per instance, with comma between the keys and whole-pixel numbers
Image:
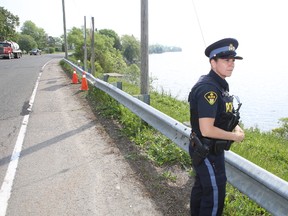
[{"x": 216, "y": 146}]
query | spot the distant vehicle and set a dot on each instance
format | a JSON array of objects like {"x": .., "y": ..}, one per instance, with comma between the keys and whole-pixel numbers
[
  {"x": 35, "y": 52},
  {"x": 9, "y": 49}
]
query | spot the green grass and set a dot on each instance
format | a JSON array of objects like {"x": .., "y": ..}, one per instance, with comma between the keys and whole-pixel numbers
[{"x": 267, "y": 150}]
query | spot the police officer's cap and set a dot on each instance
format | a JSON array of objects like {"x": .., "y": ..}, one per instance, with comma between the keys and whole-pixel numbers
[{"x": 225, "y": 48}]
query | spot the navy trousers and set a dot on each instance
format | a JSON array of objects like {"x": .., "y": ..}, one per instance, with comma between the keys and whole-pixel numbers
[{"x": 208, "y": 192}]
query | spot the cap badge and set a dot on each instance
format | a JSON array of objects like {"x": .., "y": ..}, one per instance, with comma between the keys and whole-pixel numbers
[{"x": 231, "y": 47}]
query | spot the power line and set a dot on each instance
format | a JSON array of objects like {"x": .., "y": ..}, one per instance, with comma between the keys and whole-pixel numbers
[{"x": 199, "y": 24}]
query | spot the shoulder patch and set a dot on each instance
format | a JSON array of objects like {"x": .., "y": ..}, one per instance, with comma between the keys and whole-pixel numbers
[{"x": 211, "y": 97}]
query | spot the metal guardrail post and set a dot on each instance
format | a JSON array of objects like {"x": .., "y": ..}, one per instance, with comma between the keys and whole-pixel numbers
[
  {"x": 105, "y": 78},
  {"x": 145, "y": 98}
]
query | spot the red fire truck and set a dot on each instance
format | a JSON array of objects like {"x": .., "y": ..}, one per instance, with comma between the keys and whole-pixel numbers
[{"x": 9, "y": 49}]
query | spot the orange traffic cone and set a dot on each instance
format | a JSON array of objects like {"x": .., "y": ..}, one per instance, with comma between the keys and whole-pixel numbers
[
  {"x": 75, "y": 77},
  {"x": 84, "y": 85}
]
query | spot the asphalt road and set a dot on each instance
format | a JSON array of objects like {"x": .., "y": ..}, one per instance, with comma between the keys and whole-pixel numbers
[
  {"x": 17, "y": 80},
  {"x": 66, "y": 163}
]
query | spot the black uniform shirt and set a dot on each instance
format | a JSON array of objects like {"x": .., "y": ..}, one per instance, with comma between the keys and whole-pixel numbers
[{"x": 208, "y": 98}]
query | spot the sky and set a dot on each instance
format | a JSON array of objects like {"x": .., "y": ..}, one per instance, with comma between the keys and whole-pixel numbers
[{"x": 260, "y": 26}]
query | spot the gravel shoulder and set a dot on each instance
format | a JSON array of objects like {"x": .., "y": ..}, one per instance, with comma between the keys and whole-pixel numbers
[{"x": 75, "y": 162}]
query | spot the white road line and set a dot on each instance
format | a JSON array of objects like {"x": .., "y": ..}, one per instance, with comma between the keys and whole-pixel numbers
[{"x": 7, "y": 184}]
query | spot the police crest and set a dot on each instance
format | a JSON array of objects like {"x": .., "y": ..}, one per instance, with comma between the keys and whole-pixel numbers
[
  {"x": 211, "y": 97},
  {"x": 231, "y": 47}
]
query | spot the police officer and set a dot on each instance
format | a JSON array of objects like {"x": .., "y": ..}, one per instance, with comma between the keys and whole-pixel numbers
[{"x": 210, "y": 102}]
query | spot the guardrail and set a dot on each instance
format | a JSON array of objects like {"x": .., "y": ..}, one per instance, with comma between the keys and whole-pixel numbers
[{"x": 266, "y": 189}]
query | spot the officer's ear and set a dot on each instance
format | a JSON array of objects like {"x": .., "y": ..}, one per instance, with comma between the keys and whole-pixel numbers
[{"x": 213, "y": 62}]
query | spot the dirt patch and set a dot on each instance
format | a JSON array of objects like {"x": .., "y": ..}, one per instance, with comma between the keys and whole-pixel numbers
[{"x": 170, "y": 195}]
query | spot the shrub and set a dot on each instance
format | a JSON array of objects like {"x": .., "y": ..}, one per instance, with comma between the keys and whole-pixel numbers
[
  {"x": 51, "y": 50},
  {"x": 283, "y": 130}
]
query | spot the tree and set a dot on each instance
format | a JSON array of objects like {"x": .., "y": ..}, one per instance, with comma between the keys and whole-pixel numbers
[
  {"x": 26, "y": 42},
  {"x": 42, "y": 39},
  {"x": 39, "y": 35},
  {"x": 112, "y": 34},
  {"x": 58, "y": 43},
  {"x": 75, "y": 38},
  {"x": 55, "y": 42},
  {"x": 8, "y": 24},
  {"x": 108, "y": 59},
  {"x": 30, "y": 28},
  {"x": 51, "y": 41},
  {"x": 130, "y": 49}
]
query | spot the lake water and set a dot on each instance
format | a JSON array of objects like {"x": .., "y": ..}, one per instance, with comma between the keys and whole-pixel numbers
[{"x": 262, "y": 91}]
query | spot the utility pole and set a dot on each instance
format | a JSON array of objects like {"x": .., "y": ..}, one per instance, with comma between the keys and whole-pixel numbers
[
  {"x": 92, "y": 49},
  {"x": 85, "y": 45},
  {"x": 64, "y": 26},
  {"x": 144, "y": 48}
]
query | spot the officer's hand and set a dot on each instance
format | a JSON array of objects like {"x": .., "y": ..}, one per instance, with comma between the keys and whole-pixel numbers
[
  {"x": 239, "y": 134},
  {"x": 238, "y": 128}
]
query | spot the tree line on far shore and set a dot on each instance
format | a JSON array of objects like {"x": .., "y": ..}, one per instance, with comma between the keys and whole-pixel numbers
[{"x": 158, "y": 48}]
